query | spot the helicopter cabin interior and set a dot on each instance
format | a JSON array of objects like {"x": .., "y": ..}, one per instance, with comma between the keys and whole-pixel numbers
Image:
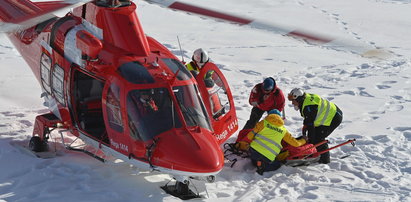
[{"x": 87, "y": 95}]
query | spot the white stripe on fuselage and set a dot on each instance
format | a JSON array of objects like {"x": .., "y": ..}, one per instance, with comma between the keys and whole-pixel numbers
[
  {"x": 140, "y": 164},
  {"x": 46, "y": 46},
  {"x": 51, "y": 103}
]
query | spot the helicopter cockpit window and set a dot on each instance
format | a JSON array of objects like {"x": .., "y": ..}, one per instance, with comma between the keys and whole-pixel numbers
[
  {"x": 191, "y": 106},
  {"x": 175, "y": 65},
  {"x": 135, "y": 73},
  {"x": 113, "y": 108},
  {"x": 45, "y": 64},
  {"x": 217, "y": 94},
  {"x": 58, "y": 77},
  {"x": 150, "y": 113}
]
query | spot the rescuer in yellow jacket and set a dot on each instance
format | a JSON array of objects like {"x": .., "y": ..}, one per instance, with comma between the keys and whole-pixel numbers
[
  {"x": 321, "y": 117},
  {"x": 264, "y": 142},
  {"x": 199, "y": 60}
]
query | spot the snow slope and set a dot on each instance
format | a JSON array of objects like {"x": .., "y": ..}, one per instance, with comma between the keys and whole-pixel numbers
[{"x": 375, "y": 96}]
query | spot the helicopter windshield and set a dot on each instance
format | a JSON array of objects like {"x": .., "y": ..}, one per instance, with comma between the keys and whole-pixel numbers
[
  {"x": 135, "y": 73},
  {"x": 150, "y": 113},
  {"x": 176, "y": 66},
  {"x": 192, "y": 108}
]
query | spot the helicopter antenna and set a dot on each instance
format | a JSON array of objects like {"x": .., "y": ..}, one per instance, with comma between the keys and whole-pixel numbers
[{"x": 181, "y": 50}]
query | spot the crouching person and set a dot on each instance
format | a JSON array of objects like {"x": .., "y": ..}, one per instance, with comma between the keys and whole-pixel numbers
[{"x": 264, "y": 142}]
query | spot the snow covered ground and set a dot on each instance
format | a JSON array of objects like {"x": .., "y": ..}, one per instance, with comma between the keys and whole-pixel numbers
[{"x": 375, "y": 96}]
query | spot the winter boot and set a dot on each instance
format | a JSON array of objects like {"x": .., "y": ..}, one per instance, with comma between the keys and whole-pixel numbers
[
  {"x": 260, "y": 167},
  {"x": 324, "y": 158}
]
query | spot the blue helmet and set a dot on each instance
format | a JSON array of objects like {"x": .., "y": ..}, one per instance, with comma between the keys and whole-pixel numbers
[
  {"x": 268, "y": 84},
  {"x": 274, "y": 111}
]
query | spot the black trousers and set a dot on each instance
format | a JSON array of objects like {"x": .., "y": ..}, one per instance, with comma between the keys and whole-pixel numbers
[
  {"x": 255, "y": 116},
  {"x": 267, "y": 164},
  {"x": 318, "y": 134}
]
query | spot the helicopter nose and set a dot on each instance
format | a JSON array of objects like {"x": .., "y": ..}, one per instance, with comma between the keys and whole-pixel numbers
[{"x": 194, "y": 152}]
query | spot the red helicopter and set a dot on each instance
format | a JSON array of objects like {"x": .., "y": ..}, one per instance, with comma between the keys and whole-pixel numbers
[{"x": 123, "y": 92}]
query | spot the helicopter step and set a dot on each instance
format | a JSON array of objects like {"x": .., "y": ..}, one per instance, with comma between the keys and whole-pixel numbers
[{"x": 88, "y": 153}]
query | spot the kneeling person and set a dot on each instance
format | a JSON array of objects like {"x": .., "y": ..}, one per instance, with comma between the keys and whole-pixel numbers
[{"x": 264, "y": 142}]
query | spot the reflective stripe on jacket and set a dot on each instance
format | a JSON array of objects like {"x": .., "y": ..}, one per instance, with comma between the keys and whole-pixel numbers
[
  {"x": 326, "y": 109},
  {"x": 191, "y": 66},
  {"x": 268, "y": 141}
]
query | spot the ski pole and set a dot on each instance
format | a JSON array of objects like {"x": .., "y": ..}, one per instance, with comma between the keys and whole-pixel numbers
[{"x": 344, "y": 143}]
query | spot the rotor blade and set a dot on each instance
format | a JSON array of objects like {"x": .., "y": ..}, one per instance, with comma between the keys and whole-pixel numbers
[
  {"x": 17, "y": 15},
  {"x": 352, "y": 46}
]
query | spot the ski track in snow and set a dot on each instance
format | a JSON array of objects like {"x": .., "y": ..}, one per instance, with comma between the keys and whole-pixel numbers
[
  {"x": 358, "y": 177},
  {"x": 392, "y": 157},
  {"x": 383, "y": 151},
  {"x": 338, "y": 19}
]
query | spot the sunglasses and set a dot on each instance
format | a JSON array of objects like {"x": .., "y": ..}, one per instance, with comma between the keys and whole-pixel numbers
[
  {"x": 268, "y": 90},
  {"x": 290, "y": 97}
]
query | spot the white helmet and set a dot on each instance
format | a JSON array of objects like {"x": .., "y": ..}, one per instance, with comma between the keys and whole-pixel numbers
[
  {"x": 200, "y": 56},
  {"x": 295, "y": 93}
]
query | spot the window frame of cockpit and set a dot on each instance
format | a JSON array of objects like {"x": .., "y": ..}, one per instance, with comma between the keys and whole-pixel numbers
[
  {"x": 45, "y": 68},
  {"x": 116, "y": 90},
  {"x": 184, "y": 77},
  {"x": 57, "y": 84},
  {"x": 176, "y": 66},
  {"x": 132, "y": 104},
  {"x": 200, "y": 102}
]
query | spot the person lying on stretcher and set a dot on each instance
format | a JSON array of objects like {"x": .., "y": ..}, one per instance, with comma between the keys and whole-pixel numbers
[{"x": 264, "y": 142}]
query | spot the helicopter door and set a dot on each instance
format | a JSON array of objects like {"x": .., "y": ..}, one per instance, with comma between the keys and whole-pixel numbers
[
  {"x": 87, "y": 104},
  {"x": 218, "y": 100},
  {"x": 114, "y": 117}
]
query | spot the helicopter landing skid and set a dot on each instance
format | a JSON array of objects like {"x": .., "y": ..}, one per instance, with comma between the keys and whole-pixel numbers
[
  {"x": 88, "y": 153},
  {"x": 180, "y": 190}
]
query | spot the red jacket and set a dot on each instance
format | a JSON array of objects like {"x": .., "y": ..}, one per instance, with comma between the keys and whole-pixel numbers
[{"x": 267, "y": 102}]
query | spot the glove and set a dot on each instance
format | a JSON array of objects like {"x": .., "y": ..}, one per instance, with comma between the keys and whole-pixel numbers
[
  {"x": 282, "y": 156},
  {"x": 304, "y": 130},
  {"x": 208, "y": 75},
  {"x": 242, "y": 145},
  {"x": 305, "y": 138}
]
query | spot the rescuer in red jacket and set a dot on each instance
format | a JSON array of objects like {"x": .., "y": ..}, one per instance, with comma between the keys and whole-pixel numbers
[{"x": 264, "y": 97}]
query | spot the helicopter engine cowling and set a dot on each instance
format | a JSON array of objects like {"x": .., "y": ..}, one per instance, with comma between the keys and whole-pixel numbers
[
  {"x": 88, "y": 44},
  {"x": 114, "y": 21}
]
